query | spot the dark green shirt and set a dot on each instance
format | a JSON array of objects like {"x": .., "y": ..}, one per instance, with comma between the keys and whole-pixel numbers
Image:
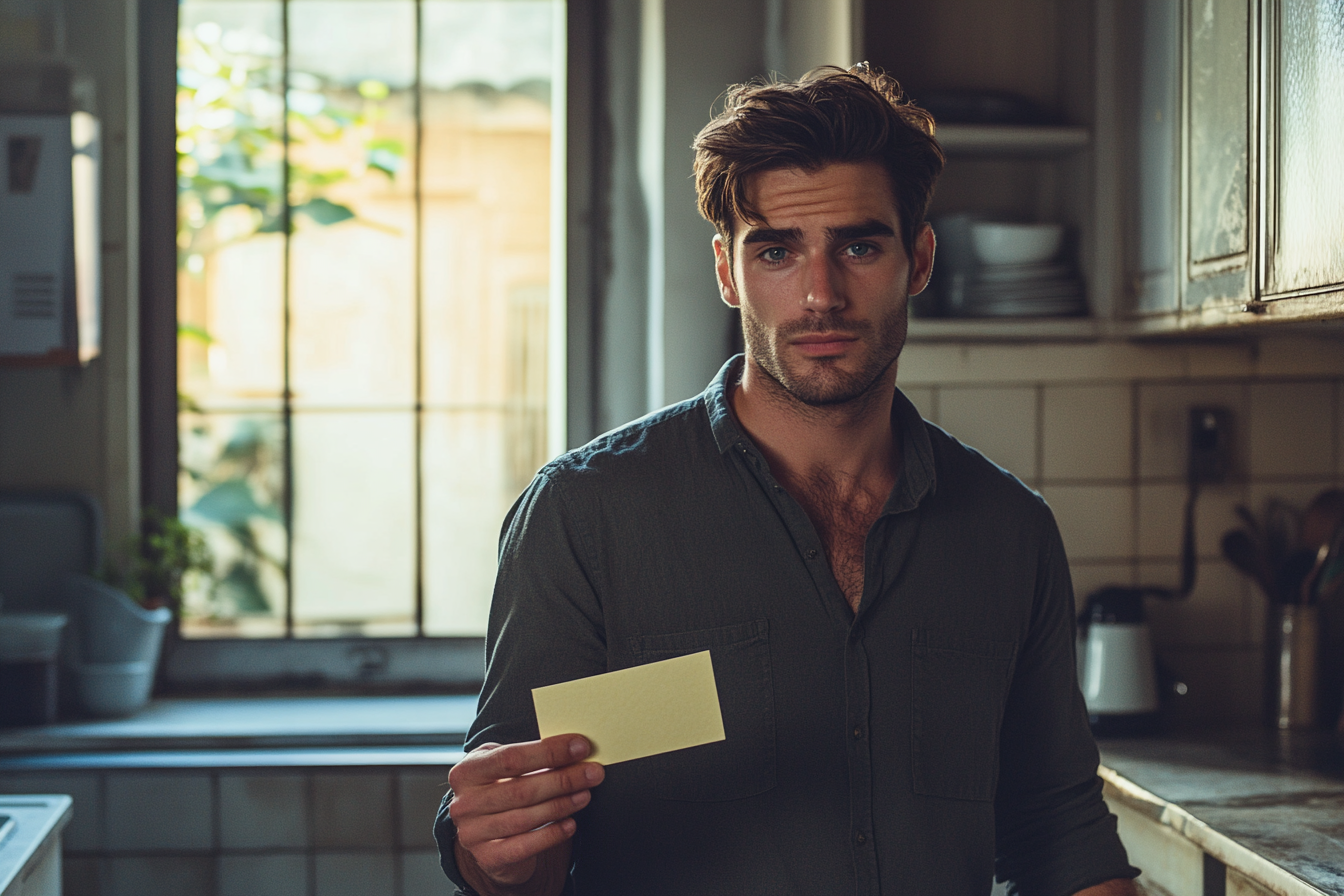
[{"x": 895, "y": 750}]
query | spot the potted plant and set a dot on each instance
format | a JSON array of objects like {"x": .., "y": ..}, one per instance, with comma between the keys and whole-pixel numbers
[{"x": 120, "y": 617}]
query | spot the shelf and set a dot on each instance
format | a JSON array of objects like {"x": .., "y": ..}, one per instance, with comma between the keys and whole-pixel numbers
[
  {"x": 1012, "y": 139},
  {"x": 1018, "y": 329}
]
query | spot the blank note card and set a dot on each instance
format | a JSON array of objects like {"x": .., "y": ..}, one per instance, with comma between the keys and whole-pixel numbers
[{"x": 655, "y": 708}]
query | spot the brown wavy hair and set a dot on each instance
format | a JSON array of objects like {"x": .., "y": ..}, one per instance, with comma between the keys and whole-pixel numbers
[{"x": 829, "y": 115}]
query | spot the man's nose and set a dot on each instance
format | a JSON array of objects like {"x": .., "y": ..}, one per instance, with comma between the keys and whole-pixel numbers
[{"x": 825, "y": 289}]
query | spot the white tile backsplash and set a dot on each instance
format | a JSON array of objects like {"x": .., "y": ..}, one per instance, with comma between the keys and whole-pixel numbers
[
  {"x": 1087, "y": 432},
  {"x": 81, "y": 875},
  {"x": 1305, "y": 356},
  {"x": 1292, "y": 431},
  {"x": 85, "y": 831},
  {"x": 161, "y": 876},
  {"x": 1296, "y": 493},
  {"x": 418, "y": 796},
  {"x": 275, "y": 874},
  {"x": 1221, "y": 361},
  {"x": 356, "y": 874},
  {"x": 1000, "y": 423},
  {"x": 161, "y": 810},
  {"x": 421, "y": 874},
  {"x": 371, "y": 833},
  {"x": 1096, "y": 521},
  {"x": 1164, "y": 425},
  {"x": 1213, "y": 615},
  {"x": 1162, "y": 518},
  {"x": 352, "y": 810},
  {"x": 263, "y": 811}
]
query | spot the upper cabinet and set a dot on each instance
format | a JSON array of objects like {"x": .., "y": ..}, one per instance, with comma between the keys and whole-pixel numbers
[
  {"x": 1304, "y": 184},
  {"x": 1239, "y": 194},
  {"x": 1192, "y": 149}
]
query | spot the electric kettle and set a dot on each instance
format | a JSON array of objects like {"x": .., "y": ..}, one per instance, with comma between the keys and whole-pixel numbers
[{"x": 1116, "y": 668}]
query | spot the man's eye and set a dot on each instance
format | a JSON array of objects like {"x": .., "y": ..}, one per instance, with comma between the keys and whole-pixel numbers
[
  {"x": 859, "y": 250},
  {"x": 775, "y": 254}
]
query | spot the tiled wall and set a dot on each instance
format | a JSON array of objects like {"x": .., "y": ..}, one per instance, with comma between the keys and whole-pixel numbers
[
  {"x": 284, "y": 832},
  {"x": 1100, "y": 430}
]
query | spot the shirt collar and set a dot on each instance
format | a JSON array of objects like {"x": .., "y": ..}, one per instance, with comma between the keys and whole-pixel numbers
[{"x": 918, "y": 476}]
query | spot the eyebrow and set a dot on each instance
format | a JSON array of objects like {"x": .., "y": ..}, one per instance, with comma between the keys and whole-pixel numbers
[
  {"x": 844, "y": 234},
  {"x": 770, "y": 235}
]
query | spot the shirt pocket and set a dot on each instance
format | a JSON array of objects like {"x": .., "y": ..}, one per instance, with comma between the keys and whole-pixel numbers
[
  {"x": 960, "y": 687},
  {"x": 743, "y": 763}
]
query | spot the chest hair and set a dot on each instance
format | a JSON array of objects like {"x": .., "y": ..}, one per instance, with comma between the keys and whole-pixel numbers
[{"x": 842, "y": 513}]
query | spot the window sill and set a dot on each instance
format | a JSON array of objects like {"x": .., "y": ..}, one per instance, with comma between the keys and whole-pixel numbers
[{"x": 252, "y": 732}]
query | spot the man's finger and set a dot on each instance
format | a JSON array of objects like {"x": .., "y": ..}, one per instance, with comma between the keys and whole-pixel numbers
[
  {"x": 497, "y": 855},
  {"x": 528, "y": 790},
  {"x": 487, "y": 766},
  {"x": 503, "y": 825}
]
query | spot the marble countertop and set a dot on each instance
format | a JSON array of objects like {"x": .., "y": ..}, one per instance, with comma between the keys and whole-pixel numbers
[
  {"x": 1263, "y": 802},
  {"x": 37, "y": 819}
]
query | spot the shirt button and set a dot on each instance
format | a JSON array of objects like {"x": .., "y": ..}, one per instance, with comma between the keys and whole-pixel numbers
[
  {"x": 812, "y": 553},
  {"x": 858, "y": 732},
  {"x": 861, "y": 839}
]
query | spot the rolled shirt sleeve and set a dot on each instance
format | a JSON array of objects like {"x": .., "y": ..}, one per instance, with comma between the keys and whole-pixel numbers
[
  {"x": 544, "y": 628},
  {"x": 1055, "y": 834}
]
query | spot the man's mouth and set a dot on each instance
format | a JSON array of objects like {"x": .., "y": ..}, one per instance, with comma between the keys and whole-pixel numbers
[{"x": 823, "y": 344}]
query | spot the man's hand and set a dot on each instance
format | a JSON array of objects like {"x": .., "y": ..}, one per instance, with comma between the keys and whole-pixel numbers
[{"x": 512, "y": 805}]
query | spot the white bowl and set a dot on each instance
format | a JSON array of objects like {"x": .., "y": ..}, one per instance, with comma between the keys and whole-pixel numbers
[
  {"x": 1016, "y": 243},
  {"x": 114, "y": 689}
]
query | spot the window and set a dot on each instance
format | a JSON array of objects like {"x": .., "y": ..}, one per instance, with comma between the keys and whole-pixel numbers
[{"x": 369, "y": 314}]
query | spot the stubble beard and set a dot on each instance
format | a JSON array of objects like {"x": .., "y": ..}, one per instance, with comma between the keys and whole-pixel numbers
[{"x": 821, "y": 383}]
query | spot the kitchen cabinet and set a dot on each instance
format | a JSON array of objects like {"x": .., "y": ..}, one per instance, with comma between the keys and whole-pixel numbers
[
  {"x": 1193, "y": 157},
  {"x": 1240, "y": 199},
  {"x": 1304, "y": 246}
]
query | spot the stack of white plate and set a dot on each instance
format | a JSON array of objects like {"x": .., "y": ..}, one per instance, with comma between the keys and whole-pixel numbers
[
  {"x": 1025, "y": 290},
  {"x": 1018, "y": 276}
]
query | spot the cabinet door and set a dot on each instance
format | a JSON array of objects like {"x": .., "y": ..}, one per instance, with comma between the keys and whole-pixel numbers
[
  {"x": 1219, "y": 192},
  {"x": 1157, "y": 275},
  {"x": 1305, "y": 193}
]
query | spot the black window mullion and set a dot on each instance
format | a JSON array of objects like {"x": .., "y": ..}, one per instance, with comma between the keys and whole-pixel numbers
[
  {"x": 419, "y": 328},
  {"x": 287, "y": 398}
]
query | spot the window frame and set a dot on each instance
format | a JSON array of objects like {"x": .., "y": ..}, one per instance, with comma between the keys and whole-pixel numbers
[{"x": 347, "y": 665}]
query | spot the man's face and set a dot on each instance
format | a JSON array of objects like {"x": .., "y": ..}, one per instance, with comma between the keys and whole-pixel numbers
[{"x": 823, "y": 281}]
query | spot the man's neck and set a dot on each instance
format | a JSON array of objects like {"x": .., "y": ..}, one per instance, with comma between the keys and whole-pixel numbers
[{"x": 853, "y": 441}]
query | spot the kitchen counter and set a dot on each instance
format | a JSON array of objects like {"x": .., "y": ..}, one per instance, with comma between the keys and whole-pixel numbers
[
  {"x": 29, "y": 856},
  {"x": 1266, "y": 805}
]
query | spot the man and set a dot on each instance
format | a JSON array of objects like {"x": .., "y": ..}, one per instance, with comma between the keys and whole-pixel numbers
[{"x": 888, "y": 613}]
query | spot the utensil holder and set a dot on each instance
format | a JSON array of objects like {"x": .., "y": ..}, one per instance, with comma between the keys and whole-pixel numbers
[{"x": 1292, "y": 655}]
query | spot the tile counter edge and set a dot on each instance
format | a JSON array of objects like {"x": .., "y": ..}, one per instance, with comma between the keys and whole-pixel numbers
[{"x": 1219, "y": 846}]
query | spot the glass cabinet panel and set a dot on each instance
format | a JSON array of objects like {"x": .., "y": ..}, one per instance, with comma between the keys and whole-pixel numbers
[
  {"x": 1219, "y": 129},
  {"x": 1219, "y": 196},
  {"x": 1308, "y": 209}
]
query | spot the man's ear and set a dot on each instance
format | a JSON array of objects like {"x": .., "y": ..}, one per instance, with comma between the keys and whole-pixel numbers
[
  {"x": 723, "y": 267},
  {"x": 921, "y": 265}
]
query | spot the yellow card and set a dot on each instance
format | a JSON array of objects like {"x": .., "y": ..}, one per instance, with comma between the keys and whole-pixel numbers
[{"x": 655, "y": 708}]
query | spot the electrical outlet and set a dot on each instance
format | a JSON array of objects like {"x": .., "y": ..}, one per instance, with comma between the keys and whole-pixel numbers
[{"x": 1210, "y": 444}]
